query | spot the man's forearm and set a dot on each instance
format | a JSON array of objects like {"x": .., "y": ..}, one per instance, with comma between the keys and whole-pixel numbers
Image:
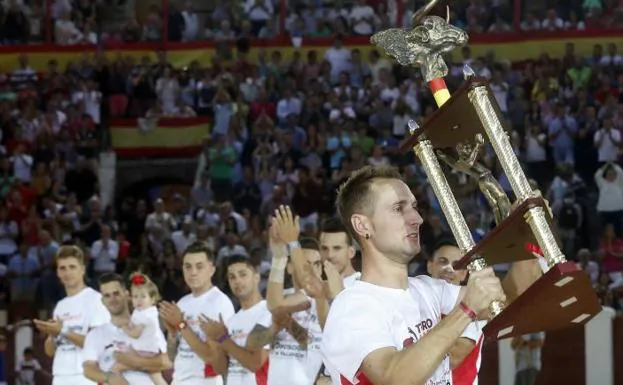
[
  {"x": 49, "y": 346},
  {"x": 416, "y": 364},
  {"x": 201, "y": 348},
  {"x": 172, "y": 343},
  {"x": 520, "y": 277},
  {"x": 274, "y": 292},
  {"x": 75, "y": 338},
  {"x": 146, "y": 364}
]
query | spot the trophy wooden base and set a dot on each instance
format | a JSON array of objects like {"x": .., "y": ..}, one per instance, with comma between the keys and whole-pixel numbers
[
  {"x": 562, "y": 297},
  {"x": 506, "y": 243}
]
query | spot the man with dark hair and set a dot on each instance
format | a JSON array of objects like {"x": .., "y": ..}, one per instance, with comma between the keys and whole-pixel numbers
[
  {"x": 80, "y": 311},
  {"x": 194, "y": 354},
  {"x": 387, "y": 328},
  {"x": 241, "y": 357},
  {"x": 109, "y": 344},
  {"x": 336, "y": 248}
]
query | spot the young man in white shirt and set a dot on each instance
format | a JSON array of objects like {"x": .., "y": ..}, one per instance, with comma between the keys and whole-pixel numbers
[
  {"x": 108, "y": 344},
  {"x": 336, "y": 247},
  {"x": 194, "y": 353},
  {"x": 387, "y": 328},
  {"x": 242, "y": 358},
  {"x": 73, "y": 317},
  {"x": 295, "y": 358}
]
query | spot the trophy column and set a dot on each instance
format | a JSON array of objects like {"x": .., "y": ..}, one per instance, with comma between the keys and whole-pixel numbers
[{"x": 536, "y": 217}]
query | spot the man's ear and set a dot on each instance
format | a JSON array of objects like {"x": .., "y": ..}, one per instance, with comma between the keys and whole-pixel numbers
[{"x": 361, "y": 225}]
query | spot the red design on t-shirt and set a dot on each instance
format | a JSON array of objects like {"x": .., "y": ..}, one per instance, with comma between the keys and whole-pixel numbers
[
  {"x": 361, "y": 378},
  {"x": 261, "y": 376},
  {"x": 208, "y": 371},
  {"x": 407, "y": 342},
  {"x": 467, "y": 371}
]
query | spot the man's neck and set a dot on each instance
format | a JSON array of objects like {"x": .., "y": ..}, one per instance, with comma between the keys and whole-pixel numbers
[
  {"x": 201, "y": 291},
  {"x": 74, "y": 290},
  {"x": 350, "y": 270},
  {"x": 379, "y": 270},
  {"x": 253, "y": 300},
  {"x": 121, "y": 319}
]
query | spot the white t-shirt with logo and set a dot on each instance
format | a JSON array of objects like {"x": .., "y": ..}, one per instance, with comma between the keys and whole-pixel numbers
[
  {"x": 290, "y": 364},
  {"x": 79, "y": 313},
  {"x": 188, "y": 365},
  {"x": 366, "y": 317},
  {"x": 101, "y": 343},
  {"x": 151, "y": 339},
  {"x": 239, "y": 327}
]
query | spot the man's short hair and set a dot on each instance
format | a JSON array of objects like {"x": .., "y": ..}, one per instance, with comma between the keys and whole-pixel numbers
[
  {"x": 234, "y": 259},
  {"x": 335, "y": 226},
  {"x": 444, "y": 241},
  {"x": 200, "y": 247},
  {"x": 355, "y": 195},
  {"x": 111, "y": 277},
  {"x": 70, "y": 251},
  {"x": 309, "y": 244}
]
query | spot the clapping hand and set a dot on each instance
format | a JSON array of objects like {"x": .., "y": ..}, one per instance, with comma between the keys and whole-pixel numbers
[{"x": 215, "y": 330}]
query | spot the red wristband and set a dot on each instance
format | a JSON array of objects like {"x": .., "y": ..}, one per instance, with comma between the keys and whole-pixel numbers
[{"x": 469, "y": 311}]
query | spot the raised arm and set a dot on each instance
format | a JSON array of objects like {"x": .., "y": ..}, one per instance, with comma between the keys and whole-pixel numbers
[{"x": 277, "y": 302}]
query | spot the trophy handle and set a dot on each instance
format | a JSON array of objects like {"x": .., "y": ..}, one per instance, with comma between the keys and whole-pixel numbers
[{"x": 479, "y": 264}]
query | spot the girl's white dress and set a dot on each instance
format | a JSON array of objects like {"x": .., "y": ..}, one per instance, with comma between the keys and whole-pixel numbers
[{"x": 150, "y": 339}]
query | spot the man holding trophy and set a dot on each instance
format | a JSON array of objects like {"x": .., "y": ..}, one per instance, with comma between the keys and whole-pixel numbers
[{"x": 391, "y": 329}]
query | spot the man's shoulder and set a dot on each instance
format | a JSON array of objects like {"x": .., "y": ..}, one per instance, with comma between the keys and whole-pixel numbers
[{"x": 358, "y": 295}]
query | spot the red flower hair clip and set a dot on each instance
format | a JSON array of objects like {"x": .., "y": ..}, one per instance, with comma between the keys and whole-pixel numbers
[{"x": 138, "y": 279}]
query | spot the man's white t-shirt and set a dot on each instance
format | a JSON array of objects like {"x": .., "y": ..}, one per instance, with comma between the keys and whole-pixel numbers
[
  {"x": 365, "y": 317},
  {"x": 212, "y": 303},
  {"x": 102, "y": 342},
  {"x": 351, "y": 279},
  {"x": 239, "y": 327},
  {"x": 290, "y": 364},
  {"x": 151, "y": 339},
  {"x": 79, "y": 313}
]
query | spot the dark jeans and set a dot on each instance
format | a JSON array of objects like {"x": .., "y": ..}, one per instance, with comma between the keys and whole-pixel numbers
[
  {"x": 614, "y": 218},
  {"x": 526, "y": 376}
]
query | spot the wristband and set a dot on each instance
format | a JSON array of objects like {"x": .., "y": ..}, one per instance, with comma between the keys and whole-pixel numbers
[
  {"x": 107, "y": 378},
  {"x": 293, "y": 245},
  {"x": 468, "y": 311},
  {"x": 277, "y": 270},
  {"x": 223, "y": 338},
  {"x": 182, "y": 325}
]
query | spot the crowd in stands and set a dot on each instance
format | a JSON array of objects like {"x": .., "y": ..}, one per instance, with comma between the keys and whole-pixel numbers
[
  {"x": 288, "y": 131},
  {"x": 70, "y": 22}
]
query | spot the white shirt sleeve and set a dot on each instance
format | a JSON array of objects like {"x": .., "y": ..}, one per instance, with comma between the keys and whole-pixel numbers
[
  {"x": 227, "y": 309},
  {"x": 100, "y": 315},
  {"x": 474, "y": 331},
  {"x": 91, "y": 348},
  {"x": 354, "y": 329},
  {"x": 443, "y": 295},
  {"x": 266, "y": 321}
]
